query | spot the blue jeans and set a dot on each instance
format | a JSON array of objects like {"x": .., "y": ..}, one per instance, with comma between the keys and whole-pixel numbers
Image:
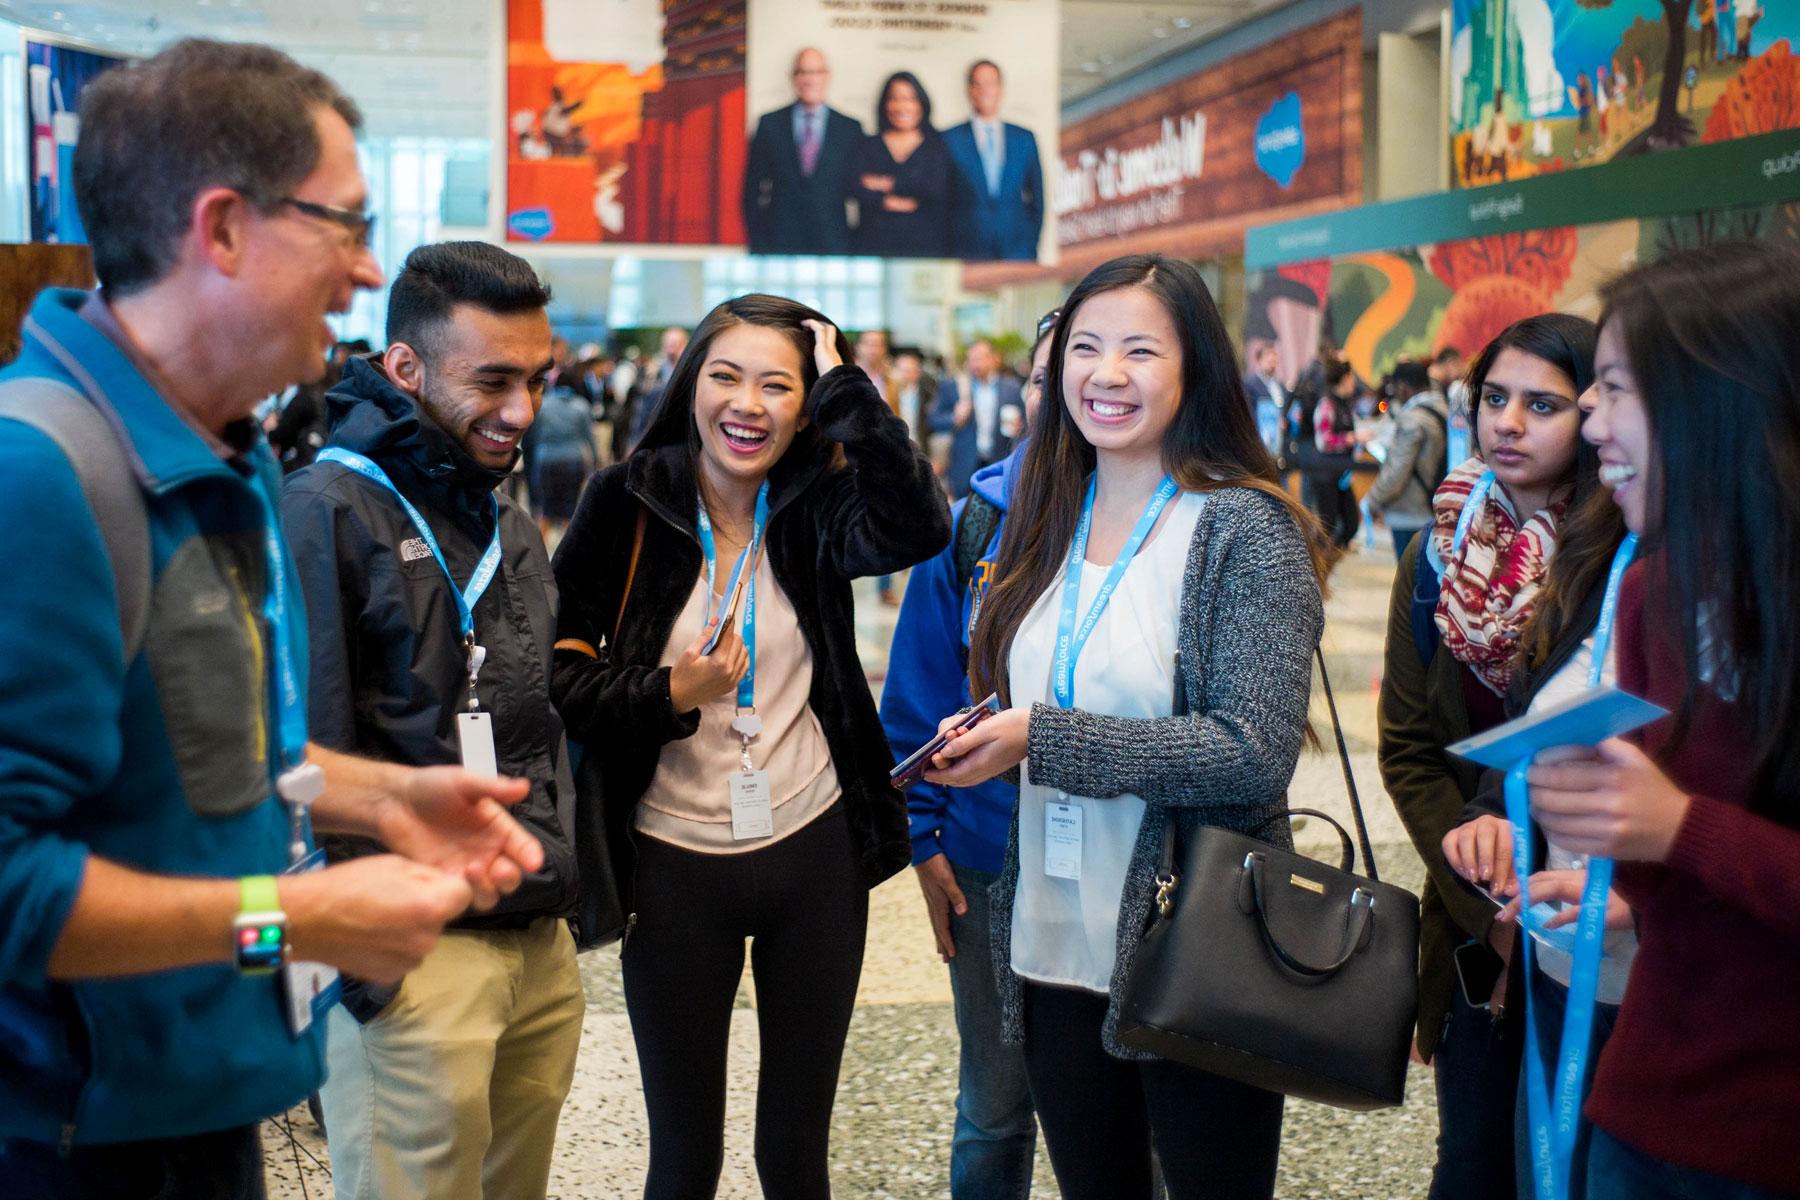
[
  {"x": 1549, "y": 998},
  {"x": 1477, "y": 1069},
  {"x": 1617, "y": 1172},
  {"x": 996, "y": 1135}
]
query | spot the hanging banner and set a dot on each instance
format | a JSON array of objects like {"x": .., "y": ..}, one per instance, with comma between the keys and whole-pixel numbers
[
  {"x": 624, "y": 121},
  {"x": 1182, "y": 169},
  {"x": 55, "y": 74},
  {"x": 1541, "y": 86},
  {"x": 901, "y": 128}
]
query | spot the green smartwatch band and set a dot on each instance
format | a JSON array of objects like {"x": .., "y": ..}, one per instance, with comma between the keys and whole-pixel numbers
[{"x": 259, "y": 934}]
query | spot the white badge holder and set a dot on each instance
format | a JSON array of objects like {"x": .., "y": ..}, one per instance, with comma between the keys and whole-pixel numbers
[
  {"x": 1062, "y": 841},
  {"x": 752, "y": 803}
]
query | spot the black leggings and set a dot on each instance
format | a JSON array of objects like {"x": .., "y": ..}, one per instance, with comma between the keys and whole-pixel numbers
[
  {"x": 805, "y": 907},
  {"x": 1213, "y": 1138}
]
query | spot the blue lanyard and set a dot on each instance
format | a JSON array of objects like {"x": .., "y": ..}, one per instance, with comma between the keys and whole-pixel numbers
[
  {"x": 466, "y": 597},
  {"x": 1471, "y": 506},
  {"x": 290, "y": 708},
  {"x": 1553, "y": 1130},
  {"x": 1069, "y": 639},
  {"x": 746, "y": 694},
  {"x": 1609, "y": 608}
]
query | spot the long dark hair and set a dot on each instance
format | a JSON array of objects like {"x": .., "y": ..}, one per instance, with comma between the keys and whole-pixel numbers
[
  {"x": 1212, "y": 443},
  {"x": 672, "y": 424},
  {"x": 1710, "y": 336},
  {"x": 882, "y": 124},
  {"x": 1593, "y": 528}
]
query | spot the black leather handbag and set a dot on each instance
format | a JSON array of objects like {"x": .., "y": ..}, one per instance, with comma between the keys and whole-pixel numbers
[{"x": 1273, "y": 969}]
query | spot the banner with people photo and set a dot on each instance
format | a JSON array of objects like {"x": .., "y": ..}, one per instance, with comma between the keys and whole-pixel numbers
[
  {"x": 924, "y": 128},
  {"x": 1544, "y": 85},
  {"x": 624, "y": 121},
  {"x": 55, "y": 74}
]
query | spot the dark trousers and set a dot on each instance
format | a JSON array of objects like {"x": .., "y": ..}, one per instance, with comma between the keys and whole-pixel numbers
[
  {"x": 1477, "y": 1069},
  {"x": 1335, "y": 506},
  {"x": 223, "y": 1165},
  {"x": 1102, "y": 1115},
  {"x": 1549, "y": 1000},
  {"x": 804, "y": 906}
]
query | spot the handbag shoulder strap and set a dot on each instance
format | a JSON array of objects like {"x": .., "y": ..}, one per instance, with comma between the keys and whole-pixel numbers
[
  {"x": 1337, "y": 728},
  {"x": 1166, "y": 869},
  {"x": 637, "y": 548}
]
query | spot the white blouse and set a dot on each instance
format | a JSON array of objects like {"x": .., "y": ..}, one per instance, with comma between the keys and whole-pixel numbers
[{"x": 1065, "y": 931}]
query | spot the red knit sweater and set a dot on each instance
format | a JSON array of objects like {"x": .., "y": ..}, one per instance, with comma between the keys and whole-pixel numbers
[{"x": 1703, "y": 1068}]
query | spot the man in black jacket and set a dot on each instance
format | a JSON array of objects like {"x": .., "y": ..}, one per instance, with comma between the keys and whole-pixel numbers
[
  {"x": 797, "y": 173},
  {"x": 431, "y": 620}
]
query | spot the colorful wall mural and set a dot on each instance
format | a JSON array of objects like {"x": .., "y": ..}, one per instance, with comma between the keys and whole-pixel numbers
[
  {"x": 1413, "y": 301},
  {"x": 1544, "y": 85}
]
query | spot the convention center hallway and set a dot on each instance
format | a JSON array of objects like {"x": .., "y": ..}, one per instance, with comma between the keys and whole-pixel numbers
[{"x": 895, "y": 1110}]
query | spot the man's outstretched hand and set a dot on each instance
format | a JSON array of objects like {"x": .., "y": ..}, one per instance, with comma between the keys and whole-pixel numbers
[{"x": 456, "y": 821}]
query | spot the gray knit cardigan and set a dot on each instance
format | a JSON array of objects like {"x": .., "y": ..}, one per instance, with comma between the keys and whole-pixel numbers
[{"x": 1250, "y": 617}]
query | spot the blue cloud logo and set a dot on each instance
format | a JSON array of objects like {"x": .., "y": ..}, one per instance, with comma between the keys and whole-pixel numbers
[
  {"x": 1281, "y": 140},
  {"x": 535, "y": 224}
]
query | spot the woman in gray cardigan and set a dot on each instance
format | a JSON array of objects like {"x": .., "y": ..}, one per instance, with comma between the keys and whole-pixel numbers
[{"x": 1147, "y": 522}]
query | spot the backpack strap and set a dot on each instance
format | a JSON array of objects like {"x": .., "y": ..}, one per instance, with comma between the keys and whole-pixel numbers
[
  {"x": 103, "y": 467},
  {"x": 980, "y": 517}
]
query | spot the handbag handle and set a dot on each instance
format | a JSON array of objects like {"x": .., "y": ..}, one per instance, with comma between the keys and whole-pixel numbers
[
  {"x": 1356, "y": 922},
  {"x": 1166, "y": 878},
  {"x": 1346, "y": 864}
]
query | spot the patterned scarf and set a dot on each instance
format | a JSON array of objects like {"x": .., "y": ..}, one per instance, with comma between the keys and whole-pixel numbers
[{"x": 1488, "y": 588}]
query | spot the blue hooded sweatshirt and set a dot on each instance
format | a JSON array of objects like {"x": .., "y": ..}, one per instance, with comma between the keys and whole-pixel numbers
[
  {"x": 927, "y": 681},
  {"x": 161, "y": 764}
]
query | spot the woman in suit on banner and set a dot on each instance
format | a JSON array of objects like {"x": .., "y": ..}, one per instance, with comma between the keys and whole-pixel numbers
[{"x": 900, "y": 177}]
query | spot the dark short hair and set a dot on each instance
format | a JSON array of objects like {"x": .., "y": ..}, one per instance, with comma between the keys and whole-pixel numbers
[
  {"x": 438, "y": 277},
  {"x": 202, "y": 114},
  {"x": 1411, "y": 375},
  {"x": 1447, "y": 354},
  {"x": 984, "y": 62}
]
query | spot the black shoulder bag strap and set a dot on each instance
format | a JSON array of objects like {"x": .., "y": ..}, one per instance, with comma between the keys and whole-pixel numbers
[{"x": 1165, "y": 876}]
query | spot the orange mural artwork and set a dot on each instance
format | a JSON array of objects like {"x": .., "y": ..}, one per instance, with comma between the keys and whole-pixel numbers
[
  {"x": 1482, "y": 308},
  {"x": 1762, "y": 98},
  {"x": 1541, "y": 258}
]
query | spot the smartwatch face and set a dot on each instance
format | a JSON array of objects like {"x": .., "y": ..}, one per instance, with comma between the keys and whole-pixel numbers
[{"x": 259, "y": 947}]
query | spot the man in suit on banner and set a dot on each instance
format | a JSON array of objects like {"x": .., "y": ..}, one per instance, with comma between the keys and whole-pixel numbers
[
  {"x": 998, "y": 193},
  {"x": 799, "y": 168},
  {"x": 983, "y": 411}
]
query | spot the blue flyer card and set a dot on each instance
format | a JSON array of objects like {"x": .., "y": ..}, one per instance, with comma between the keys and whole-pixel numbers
[{"x": 1584, "y": 720}]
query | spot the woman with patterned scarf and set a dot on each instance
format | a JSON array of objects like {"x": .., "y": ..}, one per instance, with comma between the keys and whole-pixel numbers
[{"x": 1465, "y": 589}]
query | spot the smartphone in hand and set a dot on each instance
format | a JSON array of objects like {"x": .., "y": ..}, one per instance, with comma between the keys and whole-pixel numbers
[{"x": 913, "y": 766}]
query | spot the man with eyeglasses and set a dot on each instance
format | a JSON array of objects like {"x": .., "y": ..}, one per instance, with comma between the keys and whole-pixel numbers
[
  {"x": 163, "y": 919},
  {"x": 798, "y": 169}
]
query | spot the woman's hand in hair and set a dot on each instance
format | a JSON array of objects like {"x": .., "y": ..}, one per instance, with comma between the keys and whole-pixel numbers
[
  {"x": 825, "y": 351},
  {"x": 1613, "y": 803},
  {"x": 1481, "y": 852},
  {"x": 1564, "y": 887},
  {"x": 978, "y": 754},
  {"x": 696, "y": 678}
]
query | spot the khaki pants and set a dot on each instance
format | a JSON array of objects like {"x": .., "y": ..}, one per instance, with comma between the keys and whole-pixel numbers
[{"x": 453, "y": 1091}]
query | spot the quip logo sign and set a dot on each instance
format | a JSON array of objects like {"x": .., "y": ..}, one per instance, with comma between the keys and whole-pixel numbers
[{"x": 1281, "y": 140}]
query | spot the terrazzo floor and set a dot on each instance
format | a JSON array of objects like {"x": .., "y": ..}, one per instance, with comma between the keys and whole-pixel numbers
[{"x": 891, "y": 1130}]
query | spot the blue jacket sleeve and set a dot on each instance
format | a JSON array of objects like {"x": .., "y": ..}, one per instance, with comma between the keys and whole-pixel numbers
[
  {"x": 62, "y": 682},
  {"x": 926, "y": 681},
  {"x": 943, "y": 409}
]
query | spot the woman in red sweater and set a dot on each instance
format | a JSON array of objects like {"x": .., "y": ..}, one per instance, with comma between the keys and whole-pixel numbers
[{"x": 1697, "y": 423}]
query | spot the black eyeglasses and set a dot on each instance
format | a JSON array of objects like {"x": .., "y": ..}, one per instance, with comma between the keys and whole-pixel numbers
[
  {"x": 360, "y": 224},
  {"x": 1047, "y": 322}
]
